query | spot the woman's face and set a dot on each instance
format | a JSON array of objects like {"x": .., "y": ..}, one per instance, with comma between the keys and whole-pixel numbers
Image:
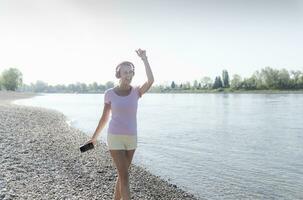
[{"x": 126, "y": 73}]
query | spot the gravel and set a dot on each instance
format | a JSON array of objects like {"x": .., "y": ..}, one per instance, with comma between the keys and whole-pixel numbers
[{"x": 40, "y": 159}]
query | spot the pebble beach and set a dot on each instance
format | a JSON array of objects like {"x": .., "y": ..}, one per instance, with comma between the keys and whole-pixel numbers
[{"x": 40, "y": 159}]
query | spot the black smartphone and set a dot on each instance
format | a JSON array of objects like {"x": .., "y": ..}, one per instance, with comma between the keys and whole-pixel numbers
[{"x": 86, "y": 147}]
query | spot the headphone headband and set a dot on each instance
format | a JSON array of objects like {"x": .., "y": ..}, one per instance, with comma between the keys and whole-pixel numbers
[{"x": 124, "y": 63}]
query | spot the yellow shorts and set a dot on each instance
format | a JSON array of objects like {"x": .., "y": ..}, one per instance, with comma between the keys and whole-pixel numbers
[{"x": 121, "y": 142}]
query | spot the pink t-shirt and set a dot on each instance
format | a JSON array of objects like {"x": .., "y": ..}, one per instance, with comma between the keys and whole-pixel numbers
[{"x": 123, "y": 111}]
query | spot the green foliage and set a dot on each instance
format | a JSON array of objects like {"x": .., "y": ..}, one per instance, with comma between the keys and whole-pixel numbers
[
  {"x": 0, "y": 82},
  {"x": 270, "y": 77},
  {"x": 218, "y": 83},
  {"x": 225, "y": 78},
  {"x": 236, "y": 82},
  {"x": 109, "y": 84},
  {"x": 196, "y": 84},
  {"x": 267, "y": 78},
  {"x": 41, "y": 86},
  {"x": 206, "y": 82},
  {"x": 258, "y": 79},
  {"x": 249, "y": 84},
  {"x": 296, "y": 80},
  {"x": 173, "y": 85},
  {"x": 11, "y": 79}
]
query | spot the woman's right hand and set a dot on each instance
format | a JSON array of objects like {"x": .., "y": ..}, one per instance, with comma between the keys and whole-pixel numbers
[{"x": 93, "y": 140}]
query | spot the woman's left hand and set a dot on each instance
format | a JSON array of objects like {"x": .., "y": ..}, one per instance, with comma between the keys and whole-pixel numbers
[{"x": 141, "y": 53}]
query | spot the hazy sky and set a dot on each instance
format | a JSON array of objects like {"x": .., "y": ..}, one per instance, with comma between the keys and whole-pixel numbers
[{"x": 69, "y": 41}]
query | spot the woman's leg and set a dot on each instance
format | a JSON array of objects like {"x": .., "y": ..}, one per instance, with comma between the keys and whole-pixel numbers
[
  {"x": 122, "y": 160},
  {"x": 117, "y": 194},
  {"x": 129, "y": 155}
]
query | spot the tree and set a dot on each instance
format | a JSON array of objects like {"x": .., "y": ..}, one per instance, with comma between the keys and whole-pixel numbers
[
  {"x": 11, "y": 79},
  {"x": 95, "y": 86},
  {"x": 206, "y": 82},
  {"x": 0, "y": 82},
  {"x": 217, "y": 83},
  {"x": 83, "y": 87},
  {"x": 225, "y": 78},
  {"x": 173, "y": 85},
  {"x": 41, "y": 86},
  {"x": 187, "y": 85},
  {"x": 236, "y": 82},
  {"x": 60, "y": 88},
  {"x": 259, "y": 80},
  {"x": 249, "y": 83},
  {"x": 301, "y": 82},
  {"x": 109, "y": 84},
  {"x": 284, "y": 79},
  {"x": 25, "y": 88},
  {"x": 220, "y": 84},
  {"x": 195, "y": 85},
  {"x": 295, "y": 78},
  {"x": 71, "y": 88},
  {"x": 101, "y": 87},
  {"x": 270, "y": 77}
]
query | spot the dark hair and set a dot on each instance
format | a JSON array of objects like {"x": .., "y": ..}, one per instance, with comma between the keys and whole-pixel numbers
[{"x": 118, "y": 75}]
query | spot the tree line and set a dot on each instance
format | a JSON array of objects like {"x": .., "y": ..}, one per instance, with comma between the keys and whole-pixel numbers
[
  {"x": 43, "y": 87},
  {"x": 265, "y": 79},
  {"x": 12, "y": 79}
]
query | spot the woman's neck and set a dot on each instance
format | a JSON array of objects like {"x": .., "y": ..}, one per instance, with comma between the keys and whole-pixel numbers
[{"x": 122, "y": 86}]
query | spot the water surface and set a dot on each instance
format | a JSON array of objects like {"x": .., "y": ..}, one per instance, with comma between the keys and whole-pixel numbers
[{"x": 216, "y": 146}]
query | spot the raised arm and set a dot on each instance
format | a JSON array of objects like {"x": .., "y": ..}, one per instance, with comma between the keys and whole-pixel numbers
[{"x": 150, "y": 78}]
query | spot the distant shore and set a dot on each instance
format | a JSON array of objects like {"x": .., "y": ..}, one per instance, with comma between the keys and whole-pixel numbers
[
  {"x": 40, "y": 159},
  {"x": 228, "y": 91},
  {"x": 218, "y": 91}
]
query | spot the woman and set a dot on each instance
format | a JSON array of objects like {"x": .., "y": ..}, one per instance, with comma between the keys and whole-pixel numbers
[{"x": 122, "y": 101}]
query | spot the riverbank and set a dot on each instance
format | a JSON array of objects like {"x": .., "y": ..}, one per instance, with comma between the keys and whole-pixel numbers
[
  {"x": 217, "y": 91},
  {"x": 228, "y": 91},
  {"x": 40, "y": 159},
  {"x": 6, "y": 97}
]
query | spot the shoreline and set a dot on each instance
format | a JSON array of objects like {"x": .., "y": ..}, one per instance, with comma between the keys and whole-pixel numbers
[
  {"x": 198, "y": 92},
  {"x": 41, "y": 159},
  {"x": 230, "y": 92},
  {"x": 7, "y": 97}
]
